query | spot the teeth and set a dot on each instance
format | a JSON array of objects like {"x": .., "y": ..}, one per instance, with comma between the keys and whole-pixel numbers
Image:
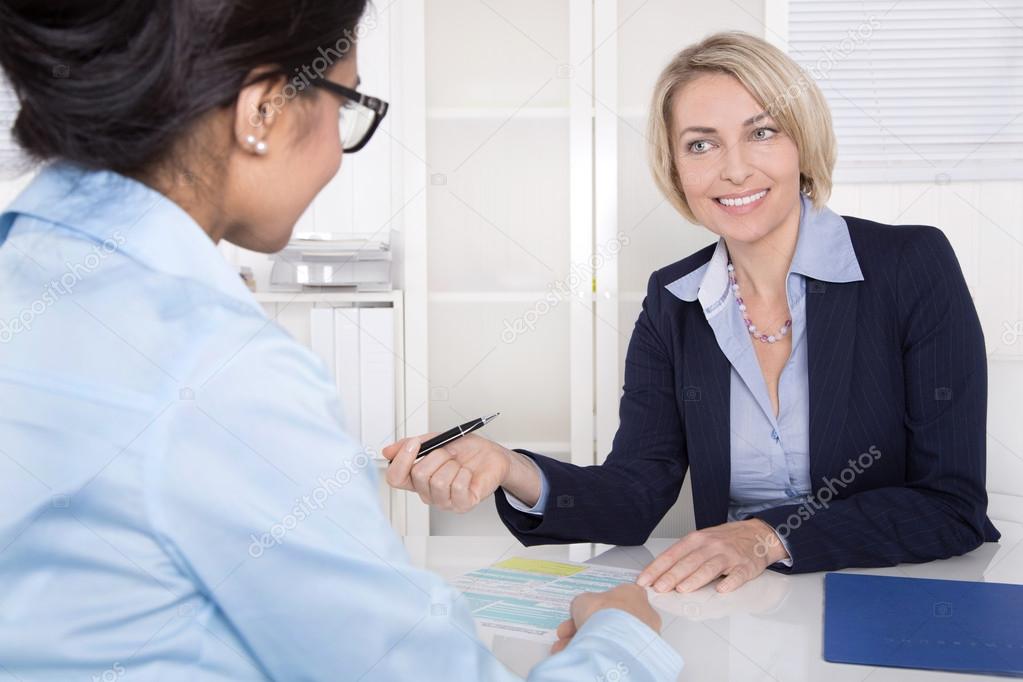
[{"x": 743, "y": 201}]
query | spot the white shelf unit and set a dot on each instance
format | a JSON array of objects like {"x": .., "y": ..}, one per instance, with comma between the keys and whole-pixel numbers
[{"x": 536, "y": 154}]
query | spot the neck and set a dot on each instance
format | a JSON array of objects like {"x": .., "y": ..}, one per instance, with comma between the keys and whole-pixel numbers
[
  {"x": 187, "y": 192},
  {"x": 762, "y": 266}
]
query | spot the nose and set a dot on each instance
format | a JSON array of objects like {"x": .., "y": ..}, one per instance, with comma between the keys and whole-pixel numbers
[{"x": 736, "y": 169}]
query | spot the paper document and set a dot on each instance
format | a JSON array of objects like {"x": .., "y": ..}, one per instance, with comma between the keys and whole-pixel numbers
[{"x": 529, "y": 598}]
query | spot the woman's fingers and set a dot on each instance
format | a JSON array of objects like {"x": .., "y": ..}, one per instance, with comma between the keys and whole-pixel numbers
[
  {"x": 462, "y": 499},
  {"x": 455, "y": 477},
  {"x": 424, "y": 469},
  {"x": 566, "y": 629},
  {"x": 565, "y": 633},
  {"x": 667, "y": 559},
  {"x": 390, "y": 451},
  {"x": 736, "y": 578},
  {"x": 440, "y": 483},
  {"x": 402, "y": 455},
  {"x": 707, "y": 572}
]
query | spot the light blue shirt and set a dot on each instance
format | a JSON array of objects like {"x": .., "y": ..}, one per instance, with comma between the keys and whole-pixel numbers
[
  {"x": 178, "y": 500},
  {"x": 770, "y": 460}
]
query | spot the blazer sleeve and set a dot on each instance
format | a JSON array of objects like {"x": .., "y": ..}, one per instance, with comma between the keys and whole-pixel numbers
[
  {"x": 940, "y": 509},
  {"x": 622, "y": 500}
]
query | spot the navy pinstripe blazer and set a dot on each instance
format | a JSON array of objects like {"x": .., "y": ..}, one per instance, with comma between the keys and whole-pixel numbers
[{"x": 897, "y": 369}]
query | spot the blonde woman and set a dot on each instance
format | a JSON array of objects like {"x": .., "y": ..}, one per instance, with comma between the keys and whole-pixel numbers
[{"x": 821, "y": 377}]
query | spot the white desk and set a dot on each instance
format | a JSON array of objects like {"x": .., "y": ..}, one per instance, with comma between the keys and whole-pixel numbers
[{"x": 769, "y": 629}]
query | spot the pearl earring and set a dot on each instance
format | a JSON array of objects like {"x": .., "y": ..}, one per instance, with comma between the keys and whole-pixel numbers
[{"x": 257, "y": 146}]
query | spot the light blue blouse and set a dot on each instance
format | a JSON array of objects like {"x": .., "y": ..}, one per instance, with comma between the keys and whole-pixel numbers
[
  {"x": 770, "y": 461},
  {"x": 178, "y": 500}
]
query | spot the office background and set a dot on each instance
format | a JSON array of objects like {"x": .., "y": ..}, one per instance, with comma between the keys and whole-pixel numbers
[{"x": 510, "y": 180}]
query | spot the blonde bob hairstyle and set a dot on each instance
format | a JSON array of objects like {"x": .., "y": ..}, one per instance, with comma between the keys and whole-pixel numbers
[{"x": 776, "y": 82}]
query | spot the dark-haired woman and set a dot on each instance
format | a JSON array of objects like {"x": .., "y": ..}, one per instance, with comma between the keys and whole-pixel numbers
[{"x": 178, "y": 500}]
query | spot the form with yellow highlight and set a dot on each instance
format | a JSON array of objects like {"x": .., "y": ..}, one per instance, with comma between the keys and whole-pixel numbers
[{"x": 529, "y": 598}]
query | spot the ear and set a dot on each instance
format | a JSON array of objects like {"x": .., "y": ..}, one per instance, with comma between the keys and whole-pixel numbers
[{"x": 257, "y": 110}]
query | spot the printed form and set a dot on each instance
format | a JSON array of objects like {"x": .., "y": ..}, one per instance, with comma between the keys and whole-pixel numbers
[{"x": 529, "y": 598}]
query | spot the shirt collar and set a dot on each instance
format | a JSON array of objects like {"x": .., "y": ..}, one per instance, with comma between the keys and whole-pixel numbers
[
  {"x": 824, "y": 252},
  {"x": 120, "y": 212}
]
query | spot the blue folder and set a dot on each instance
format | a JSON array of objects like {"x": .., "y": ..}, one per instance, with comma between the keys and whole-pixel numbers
[{"x": 931, "y": 624}]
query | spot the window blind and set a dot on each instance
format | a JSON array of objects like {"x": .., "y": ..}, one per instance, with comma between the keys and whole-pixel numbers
[
  {"x": 12, "y": 161},
  {"x": 919, "y": 90}
]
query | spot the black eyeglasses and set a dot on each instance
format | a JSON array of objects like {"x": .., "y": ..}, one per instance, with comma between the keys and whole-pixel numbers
[{"x": 360, "y": 114}]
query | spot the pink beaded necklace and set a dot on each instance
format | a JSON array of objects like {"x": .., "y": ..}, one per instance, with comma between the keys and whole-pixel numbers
[{"x": 752, "y": 328}]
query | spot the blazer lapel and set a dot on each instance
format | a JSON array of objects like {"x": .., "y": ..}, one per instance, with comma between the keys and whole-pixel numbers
[
  {"x": 706, "y": 399},
  {"x": 831, "y": 334}
]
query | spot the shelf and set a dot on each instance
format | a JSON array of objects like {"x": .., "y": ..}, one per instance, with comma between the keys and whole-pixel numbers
[
  {"x": 524, "y": 296},
  {"x": 328, "y": 296},
  {"x": 495, "y": 113},
  {"x": 487, "y": 296}
]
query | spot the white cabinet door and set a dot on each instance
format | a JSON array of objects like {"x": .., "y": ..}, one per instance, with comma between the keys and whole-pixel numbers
[{"x": 509, "y": 204}]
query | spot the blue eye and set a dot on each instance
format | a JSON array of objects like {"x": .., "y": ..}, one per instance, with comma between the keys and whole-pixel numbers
[{"x": 759, "y": 139}]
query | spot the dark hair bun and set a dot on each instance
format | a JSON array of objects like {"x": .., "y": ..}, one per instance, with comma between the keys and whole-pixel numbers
[{"x": 114, "y": 84}]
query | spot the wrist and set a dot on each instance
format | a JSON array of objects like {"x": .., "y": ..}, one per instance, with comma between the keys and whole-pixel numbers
[
  {"x": 769, "y": 545},
  {"x": 521, "y": 478}
]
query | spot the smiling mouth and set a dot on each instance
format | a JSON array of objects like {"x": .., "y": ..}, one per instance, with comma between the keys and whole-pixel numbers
[{"x": 746, "y": 200}]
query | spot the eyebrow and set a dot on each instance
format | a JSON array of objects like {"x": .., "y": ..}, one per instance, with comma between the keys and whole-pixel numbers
[{"x": 706, "y": 131}]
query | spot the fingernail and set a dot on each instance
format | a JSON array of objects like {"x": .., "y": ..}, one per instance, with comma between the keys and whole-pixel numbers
[
  {"x": 411, "y": 446},
  {"x": 661, "y": 586},
  {"x": 643, "y": 580}
]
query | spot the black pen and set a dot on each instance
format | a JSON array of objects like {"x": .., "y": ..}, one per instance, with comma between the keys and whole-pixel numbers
[{"x": 453, "y": 434}]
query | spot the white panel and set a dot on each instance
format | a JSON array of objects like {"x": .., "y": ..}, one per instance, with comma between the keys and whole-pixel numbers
[
  {"x": 581, "y": 168},
  {"x": 998, "y": 287},
  {"x": 358, "y": 199},
  {"x": 477, "y": 366},
  {"x": 845, "y": 199},
  {"x": 608, "y": 243},
  {"x": 409, "y": 195},
  {"x": 651, "y": 32},
  {"x": 499, "y": 201},
  {"x": 11, "y": 158},
  {"x": 1004, "y": 435},
  {"x": 13, "y": 165},
  {"x": 497, "y": 53},
  {"x": 347, "y": 363},
  {"x": 376, "y": 377},
  {"x": 956, "y": 214},
  {"x": 321, "y": 337},
  {"x": 882, "y": 201}
]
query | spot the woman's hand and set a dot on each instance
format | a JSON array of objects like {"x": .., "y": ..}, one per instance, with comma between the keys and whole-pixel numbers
[
  {"x": 630, "y": 598},
  {"x": 739, "y": 550},
  {"x": 459, "y": 475}
]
